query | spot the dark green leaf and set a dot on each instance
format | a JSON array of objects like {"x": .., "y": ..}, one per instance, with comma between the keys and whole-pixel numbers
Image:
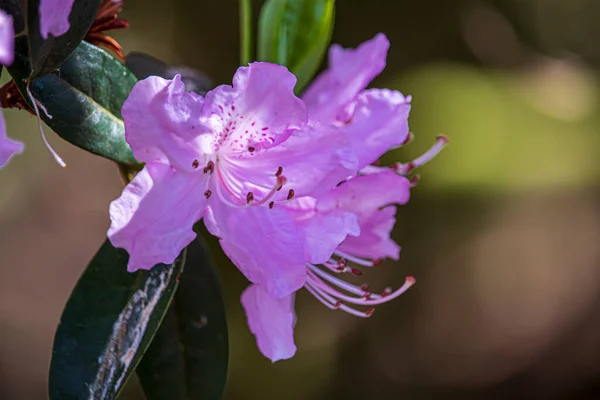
[
  {"x": 188, "y": 357},
  {"x": 295, "y": 33},
  {"x": 13, "y": 8},
  {"x": 47, "y": 55},
  {"x": 144, "y": 65},
  {"x": 107, "y": 324},
  {"x": 84, "y": 99}
]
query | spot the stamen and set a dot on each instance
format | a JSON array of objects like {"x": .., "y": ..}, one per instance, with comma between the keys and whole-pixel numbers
[
  {"x": 278, "y": 185},
  {"x": 356, "y": 260},
  {"x": 249, "y": 197},
  {"x": 271, "y": 205},
  {"x": 279, "y": 171},
  {"x": 336, "y": 281},
  {"x": 290, "y": 194},
  {"x": 366, "y": 298},
  {"x": 195, "y": 164},
  {"x": 207, "y": 194},
  {"x": 334, "y": 304},
  {"x": 403, "y": 169},
  {"x": 39, "y": 121},
  {"x": 210, "y": 167}
]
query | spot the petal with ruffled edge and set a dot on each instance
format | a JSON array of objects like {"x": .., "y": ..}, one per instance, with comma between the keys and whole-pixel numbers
[
  {"x": 271, "y": 321},
  {"x": 322, "y": 231},
  {"x": 370, "y": 198},
  {"x": 350, "y": 70},
  {"x": 162, "y": 123},
  {"x": 313, "y": 160},
  {"x": 258, "y": 112},
  {"x": 379, "y": 123},
  {"x": 54, "y": 17},
  {"x": 265, "y": 245},
  {"x": 154, "y": 217},
  {"x": 8, "y": 147},
  {"x": 7, "y": 39},
  {"x": 375, "y": 240}
]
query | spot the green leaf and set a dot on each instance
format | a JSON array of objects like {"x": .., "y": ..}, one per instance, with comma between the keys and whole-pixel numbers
[
  {"x": 84, "y": 99},
  {"x": 296, "y": 33},
  {"x": 107, "y": 324},
  {"x": 188, "y": 357},
  {"x": 47, "y": 55}
]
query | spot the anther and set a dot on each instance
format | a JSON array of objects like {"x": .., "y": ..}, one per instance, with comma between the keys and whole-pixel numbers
[
  {"x": 387, "y": 291},
  {"x": 210, "y": 166},
  {"x": 249, "y": 197},
  {"x": 195, "y": 164},
  {"x": 377, "y": 261},
  {"x": 251, "y": 149},
  {"x": 290, "y": 194},
  {"x": 366, "y": 296},
  {"x": 364, "y": 287},
  {"x": 207, "y": 194},
  {"x": 338, "y": 304},
  {"x": 370, "y": 312},
  {"x": 279, "y": 171},
  {"x": 356, "y": 271},
  {"x": 272, "y": 204}
]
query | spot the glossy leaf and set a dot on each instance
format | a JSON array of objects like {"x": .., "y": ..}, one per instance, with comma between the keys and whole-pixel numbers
[
  {"x": 47, "y": 55},
  {"x": 296, "y": 33},
  {"x": 84, "y": 99},
  {"x": 107, "y": 324},
  {"x": 188, "y": 357},
  {"x": 144, "y": 65},
  {"x": 13, "y": 8}
]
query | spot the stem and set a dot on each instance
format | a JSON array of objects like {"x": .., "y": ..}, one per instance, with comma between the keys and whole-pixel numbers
[{"x": 245, "y": 32}]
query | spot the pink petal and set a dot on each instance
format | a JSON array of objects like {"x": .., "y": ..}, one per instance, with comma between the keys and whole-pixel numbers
[
  {"x": 323, "y": 231},
  {"x": 271, "y": 321},
  {"x": 379, "y": 123},
  {"x": 8, "y": 147},
  {"x": 350, "y": 71},
  {"x": 369, "y": 197},
  {"x": 313, "y": 160},
  {"x": 7, "y": 39},
  {"x": 162, "y": 123},
  {"x": 258, "y": 112},
  {"x": 375, "y": 240},
  {"x": 54, "y": 17},
  {"x": 154, "y": 216},
  {"x": 266, "y": 246}
]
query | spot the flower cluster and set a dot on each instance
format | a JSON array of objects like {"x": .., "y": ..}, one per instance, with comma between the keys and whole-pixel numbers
[
  {"x": 286, "y": 183},
  {"x": 54, "y": 19}
]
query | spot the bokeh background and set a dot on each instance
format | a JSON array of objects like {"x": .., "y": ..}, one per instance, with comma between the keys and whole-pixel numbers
[{"x": 502, "y": 232}]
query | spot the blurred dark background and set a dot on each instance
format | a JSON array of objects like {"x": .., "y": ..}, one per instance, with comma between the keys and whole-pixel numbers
[{"x": 502, "y": 232}]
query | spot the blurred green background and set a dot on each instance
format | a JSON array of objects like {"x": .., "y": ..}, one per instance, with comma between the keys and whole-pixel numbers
[{"x": 502, "y": 232}]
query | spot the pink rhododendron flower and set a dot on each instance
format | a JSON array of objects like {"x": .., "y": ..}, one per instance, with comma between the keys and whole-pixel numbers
[
  {"x": 349, "y": 227},
  {"x": 54, "y": 17},
  {"x": 231, "y": 152}
]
